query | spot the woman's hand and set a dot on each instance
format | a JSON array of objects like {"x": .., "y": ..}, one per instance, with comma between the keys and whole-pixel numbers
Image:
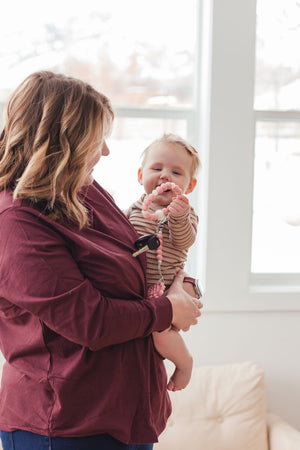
[{"x": 186, "y": 309}]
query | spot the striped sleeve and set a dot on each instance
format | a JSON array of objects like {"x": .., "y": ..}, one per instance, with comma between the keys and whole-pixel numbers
[{"x": 183, "y": 229}]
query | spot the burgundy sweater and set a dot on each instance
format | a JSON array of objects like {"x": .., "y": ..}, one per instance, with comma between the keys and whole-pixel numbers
[{"x": 75, "y": 326}]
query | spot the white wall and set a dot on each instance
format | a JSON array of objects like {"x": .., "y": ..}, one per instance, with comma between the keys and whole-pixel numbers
[
  {"x": 270, "y": 339},
  {"x": 239, "y": 324}
]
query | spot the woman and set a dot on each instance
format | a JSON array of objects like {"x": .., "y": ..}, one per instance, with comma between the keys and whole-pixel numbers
[{"x": 81, "y": 370}]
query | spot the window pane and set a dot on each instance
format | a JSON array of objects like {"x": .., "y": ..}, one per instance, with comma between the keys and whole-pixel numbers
[
  {"x": 277, "y": 55},
  {"x": 118, "y": 171},
  {"x": 136, "y": 52},
  {"x": 276, "y": 205}
]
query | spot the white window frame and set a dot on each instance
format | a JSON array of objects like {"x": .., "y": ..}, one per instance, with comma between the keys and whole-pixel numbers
[
  {"x": 230, "y": 286},
  {"x": 221, "y": 123},
  {"x": 197, "y": 119},
  {"x": 279, "y": 282}
]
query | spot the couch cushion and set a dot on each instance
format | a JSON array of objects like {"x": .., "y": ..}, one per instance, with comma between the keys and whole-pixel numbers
[{"x": 223, "y": 407}]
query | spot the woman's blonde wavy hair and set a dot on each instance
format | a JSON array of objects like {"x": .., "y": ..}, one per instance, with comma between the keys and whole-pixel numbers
[{"x": 54, "y": 125}]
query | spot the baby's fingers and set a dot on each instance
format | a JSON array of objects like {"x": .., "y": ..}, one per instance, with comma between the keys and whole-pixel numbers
[{"x": 179, "y": 206}]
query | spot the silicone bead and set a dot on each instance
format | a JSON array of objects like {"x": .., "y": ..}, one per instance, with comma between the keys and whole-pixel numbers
[
  {"x": 159, "y": 214},
  {"x": 158, "y": 289}
]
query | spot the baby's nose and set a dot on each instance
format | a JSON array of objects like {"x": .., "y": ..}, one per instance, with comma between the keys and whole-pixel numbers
[{"x": 165, "y": 175}]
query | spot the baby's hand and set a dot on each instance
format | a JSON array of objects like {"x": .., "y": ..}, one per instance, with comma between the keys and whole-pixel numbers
[{"x": 179, "y": 206}]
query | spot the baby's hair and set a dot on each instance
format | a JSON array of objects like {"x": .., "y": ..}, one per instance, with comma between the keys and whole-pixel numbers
[
  {"x": 54, "y": 124},
  {"x": 178, "y": 140}
]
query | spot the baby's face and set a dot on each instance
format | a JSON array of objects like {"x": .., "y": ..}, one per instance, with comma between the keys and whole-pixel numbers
[{"x": 166, "y": 162}]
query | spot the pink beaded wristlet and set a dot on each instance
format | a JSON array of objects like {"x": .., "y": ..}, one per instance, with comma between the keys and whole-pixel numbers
[{"x": 161, "y": 215}]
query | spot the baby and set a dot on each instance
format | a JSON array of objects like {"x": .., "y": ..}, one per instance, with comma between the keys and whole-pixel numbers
[{"x": 169, "y": 159}]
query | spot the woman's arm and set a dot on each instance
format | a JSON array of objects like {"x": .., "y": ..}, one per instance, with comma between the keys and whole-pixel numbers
[{"x": 39, "y": 275}]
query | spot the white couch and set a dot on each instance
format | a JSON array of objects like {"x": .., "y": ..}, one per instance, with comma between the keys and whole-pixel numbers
[{"x": 224, "y": 408}]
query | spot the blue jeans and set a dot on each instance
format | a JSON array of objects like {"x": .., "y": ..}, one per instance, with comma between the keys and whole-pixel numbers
[{"x": 24, "y": 440}]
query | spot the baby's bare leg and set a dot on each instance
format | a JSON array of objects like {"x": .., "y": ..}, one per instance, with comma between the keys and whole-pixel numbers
[{"x": 171, "y": 345}]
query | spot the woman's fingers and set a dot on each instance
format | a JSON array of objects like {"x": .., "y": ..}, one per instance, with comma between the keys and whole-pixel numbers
[{"x": 186, "y": 308}]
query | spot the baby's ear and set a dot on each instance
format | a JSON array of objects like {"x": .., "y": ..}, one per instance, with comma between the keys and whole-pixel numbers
[
  {"x": 140, "y": 176},
  {"x": 191, "y": 186}
]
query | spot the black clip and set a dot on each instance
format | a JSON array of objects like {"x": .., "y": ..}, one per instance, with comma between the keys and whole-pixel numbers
[{"x": 147, "y": 242}]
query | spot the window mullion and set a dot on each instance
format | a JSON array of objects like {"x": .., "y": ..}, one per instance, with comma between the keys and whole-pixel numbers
[
  {"x": 274, "y": 116},
  {"x": 154, "y": 113}
]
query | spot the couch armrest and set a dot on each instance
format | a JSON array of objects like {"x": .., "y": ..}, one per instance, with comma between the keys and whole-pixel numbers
[{"x": 282, "y": 436}]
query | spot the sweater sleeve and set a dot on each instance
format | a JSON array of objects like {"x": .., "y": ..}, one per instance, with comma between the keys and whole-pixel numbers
[
  {"x": 183, "y": 229},
  {"x": 38, "y": 275}
]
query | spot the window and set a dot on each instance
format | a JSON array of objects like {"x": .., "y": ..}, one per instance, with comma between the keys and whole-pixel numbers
[
  {"x": 143, "y": 55},
  {"x": 276, "y": 206},
  {"x": 237, "y": 181},
  {"x": 138, "y": 53},
  {"x": 245, "y": 105}
]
